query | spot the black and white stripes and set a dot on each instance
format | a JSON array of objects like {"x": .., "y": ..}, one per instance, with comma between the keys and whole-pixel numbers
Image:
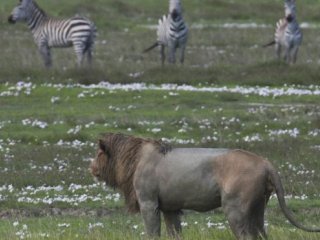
[
  {"x": 172, "y": 32},
  {"x": 288, "y": 35},
  {"x": 48, "y": 32}
]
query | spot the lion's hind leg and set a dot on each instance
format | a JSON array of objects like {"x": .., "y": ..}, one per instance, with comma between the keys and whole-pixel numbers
[
  {"x": 173, "y": 223},
  {"x": 256, "y": 217},
  {"x": 246, "y": 219}
]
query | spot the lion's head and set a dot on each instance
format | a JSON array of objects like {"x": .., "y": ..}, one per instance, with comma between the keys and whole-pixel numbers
[{"x": 116, "y": 161}]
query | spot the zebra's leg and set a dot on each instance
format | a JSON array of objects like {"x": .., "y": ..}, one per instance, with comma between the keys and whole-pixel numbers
[
  {"x": 88, "y": 49},
  {"x": 162, "y": 54},
  {"x": 79, "y": 49},
  {"x": 171, "y": 53},
  {"x": 287, "y": 54},
  {"x": 46, "y": 55},
  {"x": 294, "y": 54},
  {"x": 88, "y": 52},
  {"x": 89, "y": 55},
  {"x": 183, "y": 48},
  {"x": 278, "y": 50}
]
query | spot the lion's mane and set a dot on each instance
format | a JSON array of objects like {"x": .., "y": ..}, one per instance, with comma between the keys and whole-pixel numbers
[{"x": 123, "y": 155}]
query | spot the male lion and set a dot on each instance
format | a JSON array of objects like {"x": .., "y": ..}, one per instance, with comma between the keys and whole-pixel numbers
[{"x": 154, "y": 178}]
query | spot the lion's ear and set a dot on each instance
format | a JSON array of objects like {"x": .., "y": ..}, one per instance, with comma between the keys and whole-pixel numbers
[{"x": 103, "y": 146}]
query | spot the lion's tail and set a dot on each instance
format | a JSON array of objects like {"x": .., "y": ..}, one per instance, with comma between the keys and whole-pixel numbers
[{"x": 276, "y": 182}]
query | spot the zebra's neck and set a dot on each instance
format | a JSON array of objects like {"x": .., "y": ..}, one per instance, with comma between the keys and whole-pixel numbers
[
  {"x": 293, "y": 25},
  {"x": 177, "y": 19},
  {"x": 37, "y": 17}
]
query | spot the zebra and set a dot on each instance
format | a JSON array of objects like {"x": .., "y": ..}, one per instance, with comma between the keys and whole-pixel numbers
[
  {"x": 288, "y": 34},
  {"x": 172, "y": 32},
  {"x": 49, "y": 32}
]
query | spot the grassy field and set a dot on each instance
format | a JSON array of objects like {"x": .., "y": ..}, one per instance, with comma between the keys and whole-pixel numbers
[
  {"x": 215, "y": 54},
  {"x": 229, "y": 93}
]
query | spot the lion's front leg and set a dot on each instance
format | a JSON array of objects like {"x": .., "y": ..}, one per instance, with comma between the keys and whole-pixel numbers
[
  {"x": 151, "y": 217},
  {"x": 173, "y": 223}
]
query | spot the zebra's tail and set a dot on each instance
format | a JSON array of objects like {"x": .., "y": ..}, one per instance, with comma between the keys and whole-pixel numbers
[
  {"x": 93, "y": 34},
  {"x": 156, "y": 44},
  {"x": 90, "y": 41},
  {"x": 269, "y": 44}
]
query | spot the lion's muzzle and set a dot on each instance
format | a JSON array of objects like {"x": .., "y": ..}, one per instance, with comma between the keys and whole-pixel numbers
[{"x": 94, "y": 170}]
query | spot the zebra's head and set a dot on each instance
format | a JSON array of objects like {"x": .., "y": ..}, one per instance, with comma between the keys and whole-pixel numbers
[
  {"x": 175, "y": 9},
  {"x": 290, "y": 10},
  {"x": 21, "y": 12}
]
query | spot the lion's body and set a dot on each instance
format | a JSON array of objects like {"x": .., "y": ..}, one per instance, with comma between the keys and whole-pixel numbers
[
  {"x": 174, "y": 177},
  {"x": 200, "y": 179}
]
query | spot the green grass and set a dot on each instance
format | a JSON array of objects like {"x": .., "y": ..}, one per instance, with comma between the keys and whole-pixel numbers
[
  {"x": 214, "y": 55},
  {"x": 33, "y": 159},
  {"x": 228, "y": 62},
  {"x": 112, "y": 227}
]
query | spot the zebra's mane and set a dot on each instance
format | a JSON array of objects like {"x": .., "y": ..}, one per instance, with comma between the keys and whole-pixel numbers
[
  {"x": 36, "y": 6},
  {"x": 175, "y": 4}
]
